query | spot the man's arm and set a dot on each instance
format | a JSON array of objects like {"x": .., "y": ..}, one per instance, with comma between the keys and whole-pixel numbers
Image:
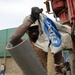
[{"x": 15, "y": 38}]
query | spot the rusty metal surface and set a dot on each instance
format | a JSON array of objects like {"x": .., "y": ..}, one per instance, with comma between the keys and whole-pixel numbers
[{"x": 26, "y": 58}]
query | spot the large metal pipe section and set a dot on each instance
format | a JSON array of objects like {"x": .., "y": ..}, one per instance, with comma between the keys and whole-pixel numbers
[{"x": 26, "y": 58}]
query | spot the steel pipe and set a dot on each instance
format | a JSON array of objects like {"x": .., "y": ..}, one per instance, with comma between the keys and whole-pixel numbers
[{"x": 26, "y": 58}]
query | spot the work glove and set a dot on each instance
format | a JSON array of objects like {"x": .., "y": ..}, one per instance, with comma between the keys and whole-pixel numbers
[{"x": 35, "y": 11}]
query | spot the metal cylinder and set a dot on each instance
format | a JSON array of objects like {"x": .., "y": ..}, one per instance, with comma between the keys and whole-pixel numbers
[
  {"x": 68, "y": 73},
  {"x": 26, "y": 58}
]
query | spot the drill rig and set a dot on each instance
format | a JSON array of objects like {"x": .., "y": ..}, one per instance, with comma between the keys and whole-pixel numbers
[{"x": 65, "y": 11}]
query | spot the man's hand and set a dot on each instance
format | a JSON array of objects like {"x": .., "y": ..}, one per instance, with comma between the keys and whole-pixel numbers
[{"x": 35, "y": 11}]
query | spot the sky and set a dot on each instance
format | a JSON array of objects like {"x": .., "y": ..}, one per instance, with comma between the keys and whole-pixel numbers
[{"x": 13, "y": 12}]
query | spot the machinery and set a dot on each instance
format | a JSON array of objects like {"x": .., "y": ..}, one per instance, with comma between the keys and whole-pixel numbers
[{"x": 65, "y": 11}]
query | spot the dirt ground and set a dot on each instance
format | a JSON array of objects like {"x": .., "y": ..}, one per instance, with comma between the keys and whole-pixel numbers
[
  {"x": 14, "y": 74},
  {"x": 11, "y": 67}
]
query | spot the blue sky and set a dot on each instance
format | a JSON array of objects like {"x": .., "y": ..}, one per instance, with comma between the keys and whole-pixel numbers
[{"x": 12, "y": 12}]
